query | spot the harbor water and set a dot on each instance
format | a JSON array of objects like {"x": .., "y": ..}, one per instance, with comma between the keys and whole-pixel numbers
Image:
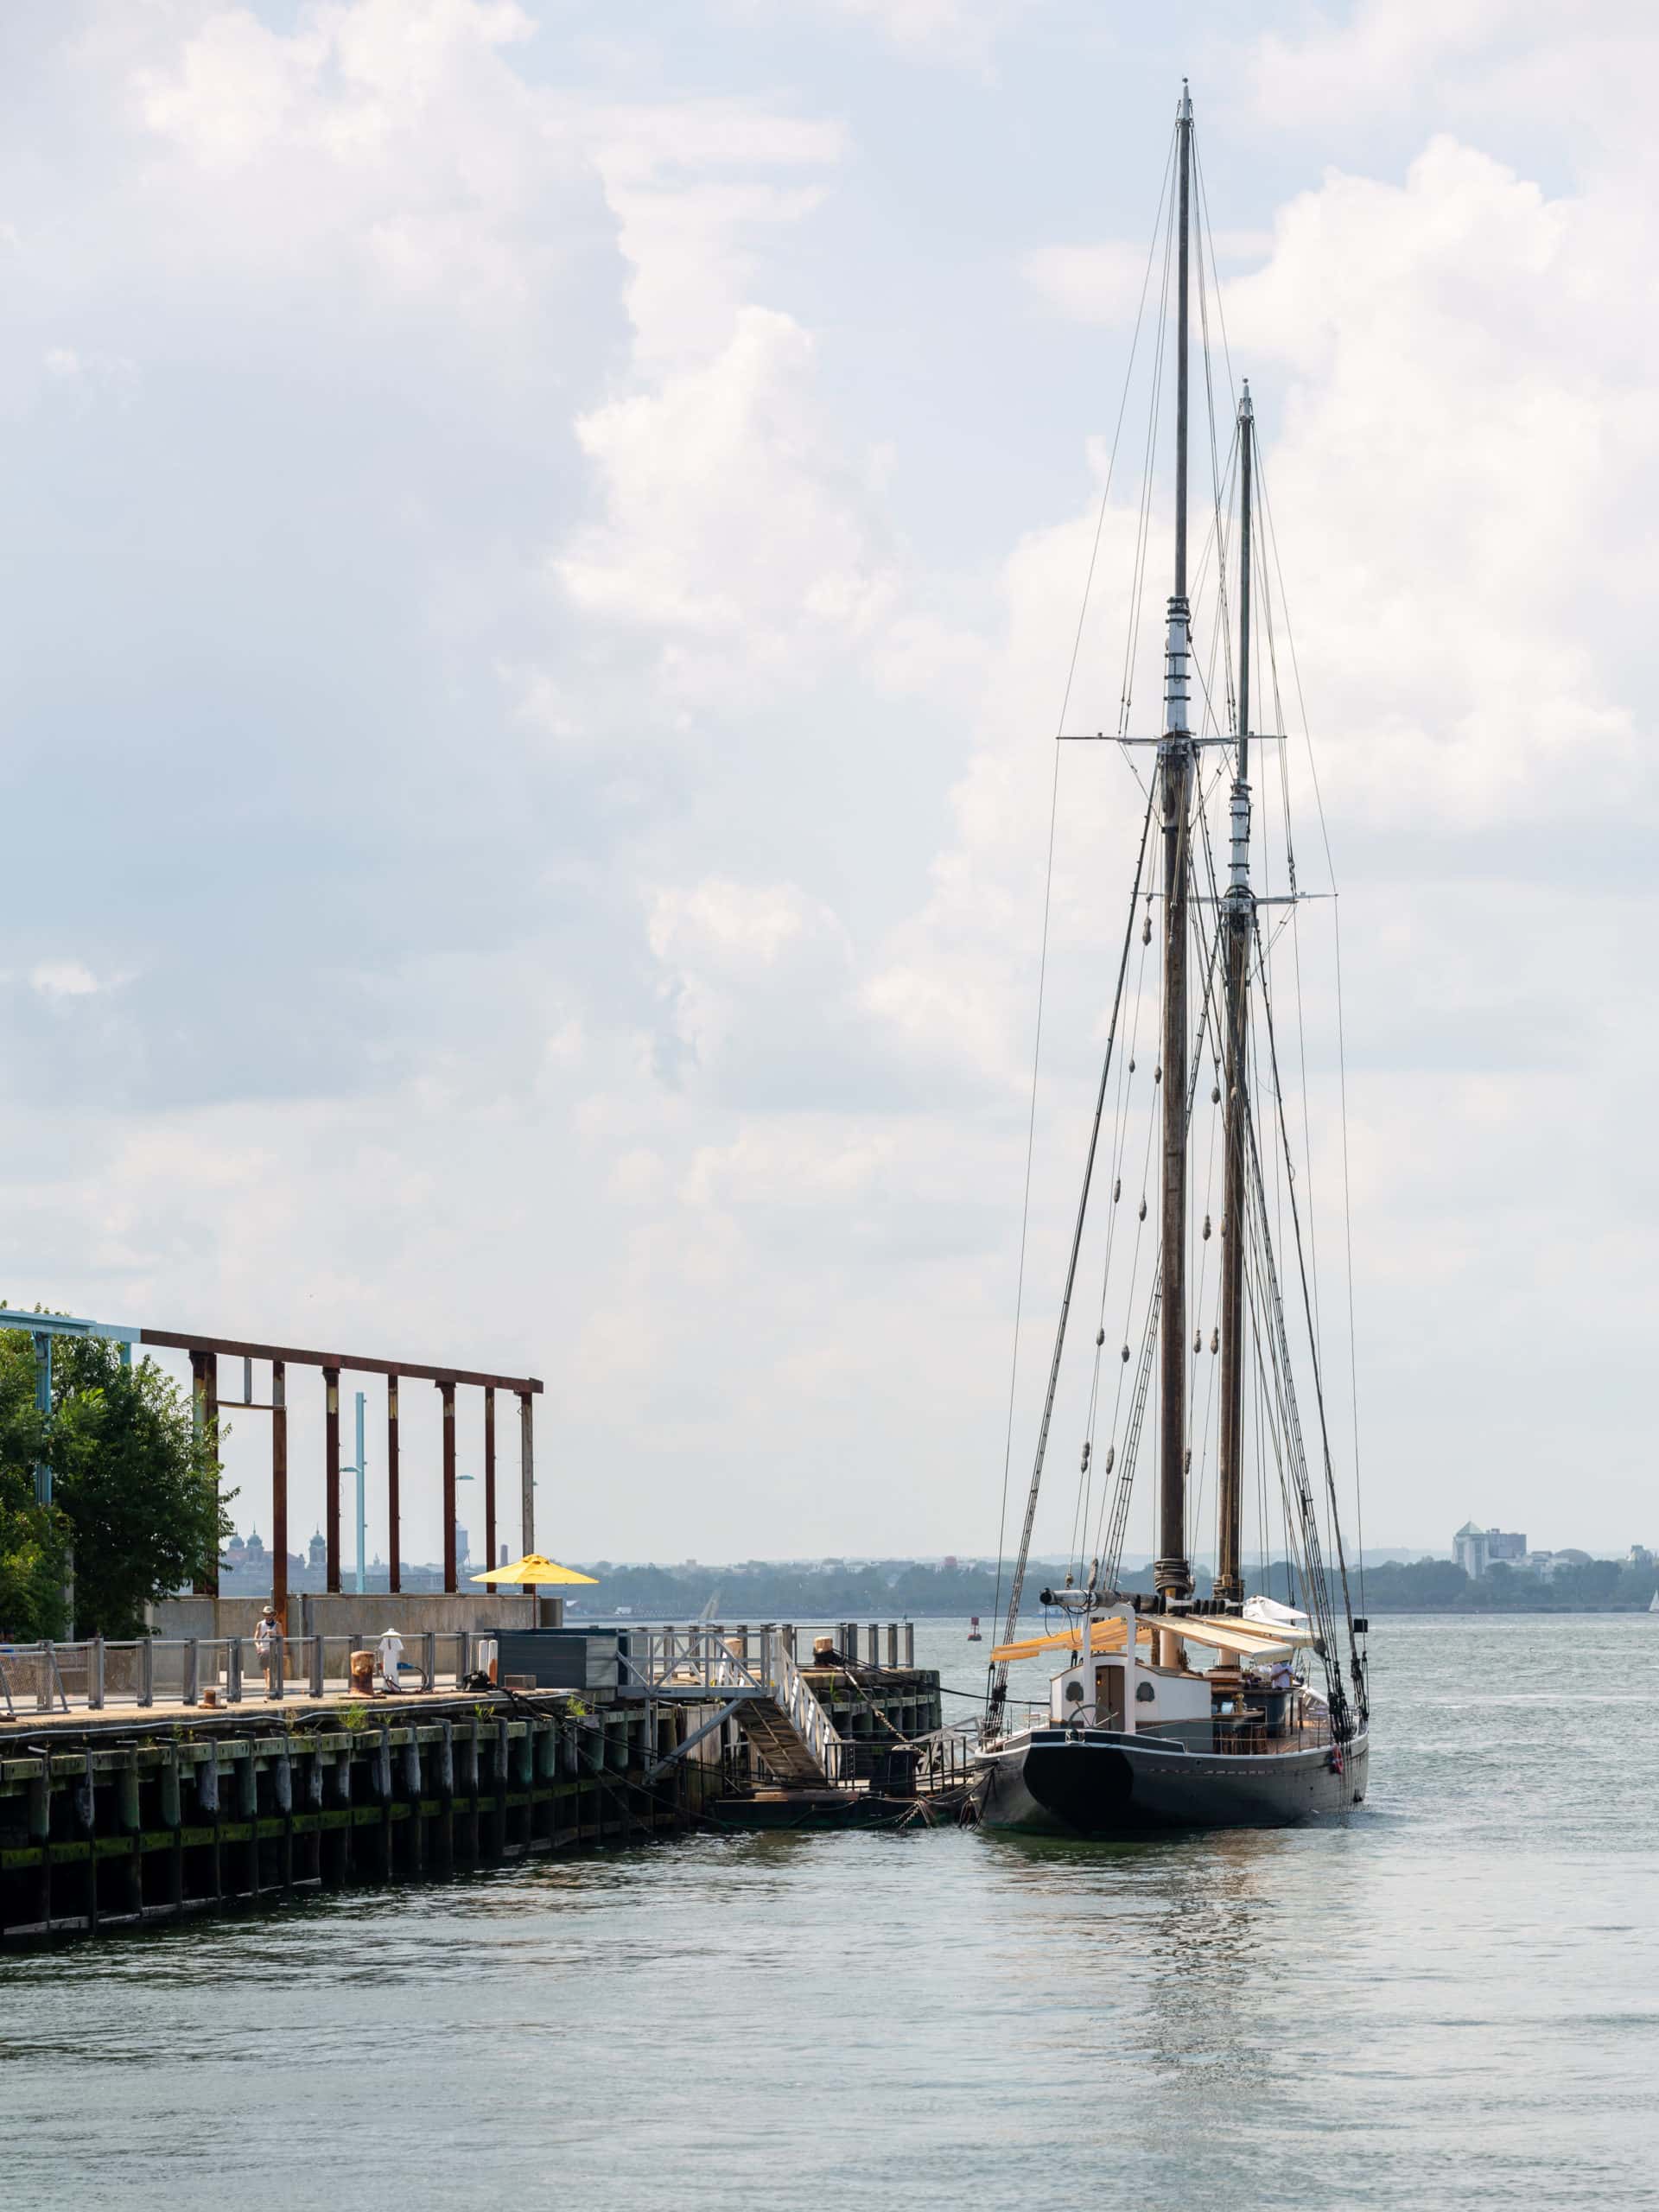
[{"x": 1450, "y": 1999}]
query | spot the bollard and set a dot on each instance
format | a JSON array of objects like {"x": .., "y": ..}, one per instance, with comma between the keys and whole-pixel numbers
[
  {"x": 192, "y": 1663},
  {"x": 278, "y": 1667},
  {"x": 147, "y": 1671},
  {"x": 429, "y": 1659},
  {"x": 234, "y": 1670},
  {"x": 316, "y": 1666},
  {"x": 95, "y": 1675}
]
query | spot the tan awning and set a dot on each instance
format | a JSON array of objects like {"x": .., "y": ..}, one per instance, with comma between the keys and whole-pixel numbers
[
  {"x": 1215, "y": 1631},
  {"x": 1108, "y": 1636}
]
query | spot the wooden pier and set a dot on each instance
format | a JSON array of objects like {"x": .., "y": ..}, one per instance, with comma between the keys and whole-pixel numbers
[{"x": 113, "y": 1820}]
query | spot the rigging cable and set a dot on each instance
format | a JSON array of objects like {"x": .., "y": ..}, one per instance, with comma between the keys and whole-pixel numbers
[{"x": 1048, "y": 882}]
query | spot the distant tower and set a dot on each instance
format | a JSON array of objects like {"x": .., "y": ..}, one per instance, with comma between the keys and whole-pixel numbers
[
  {"x": 318, "y": 1552},
  {"x": 256, "y": 1548}
]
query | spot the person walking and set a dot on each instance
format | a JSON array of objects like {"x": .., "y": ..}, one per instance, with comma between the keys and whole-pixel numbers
[{"x": 267, "y": 1642}]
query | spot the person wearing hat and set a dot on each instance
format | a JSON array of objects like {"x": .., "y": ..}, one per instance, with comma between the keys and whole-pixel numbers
[{"x": 267, "y": 1642}]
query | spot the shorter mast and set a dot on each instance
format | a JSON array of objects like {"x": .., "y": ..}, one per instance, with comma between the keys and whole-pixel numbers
[{"x": 1239, "y": 911}]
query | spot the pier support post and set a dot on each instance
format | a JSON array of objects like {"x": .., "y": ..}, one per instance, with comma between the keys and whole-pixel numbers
[
  {"x": 393, "y": 1499},
  {"x": 527, "y": 1477},
  {"x": 451, "y": 1580},
  {"x": 279, "y": 1491},
  {"x": 281, "y": 1787},
  {"x": 489, "y": 1475},
  {"x": 331, "y": 1472}
]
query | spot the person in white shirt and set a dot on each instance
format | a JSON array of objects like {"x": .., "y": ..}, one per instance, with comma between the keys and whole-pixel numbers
[{"x": 267, "y": 1637}]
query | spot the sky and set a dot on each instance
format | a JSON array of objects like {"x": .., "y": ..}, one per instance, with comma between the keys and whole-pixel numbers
[{"x": 540, "y": 548}]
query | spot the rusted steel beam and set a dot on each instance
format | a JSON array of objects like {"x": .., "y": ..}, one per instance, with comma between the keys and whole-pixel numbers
[
  {"x": 489, "y": 1475},
  {"x": 239, "y": 1348},
  {"x": 393, "y": 1501},
  {"x": 446, "y": 1392},
  {"x": 201, "y": 1587},
  {"x": 527, "y": 1477},
  {"x": 331, "y": 1474},
  {"x": 279, "y": 1492}
]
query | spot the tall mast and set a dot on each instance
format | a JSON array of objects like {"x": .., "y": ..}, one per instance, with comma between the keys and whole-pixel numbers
[
  {"x": 1172, "y": 1571},
  {"x": 1239, "y": 912}
]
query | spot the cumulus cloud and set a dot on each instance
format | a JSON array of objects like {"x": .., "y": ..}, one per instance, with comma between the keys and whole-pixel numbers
[{"x": 568, "y": 822}]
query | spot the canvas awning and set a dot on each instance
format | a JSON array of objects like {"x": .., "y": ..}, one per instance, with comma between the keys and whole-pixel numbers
[
  {"x": 1108, "y": 1636},
  {"x": 1226, "y": 1632}
]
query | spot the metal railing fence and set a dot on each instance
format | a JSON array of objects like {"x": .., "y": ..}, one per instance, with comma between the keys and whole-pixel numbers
[{"x": 95, "y": 1673}]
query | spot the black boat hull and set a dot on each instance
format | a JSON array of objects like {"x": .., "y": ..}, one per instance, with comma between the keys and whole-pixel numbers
[{"x": 1090, "y": 1782}]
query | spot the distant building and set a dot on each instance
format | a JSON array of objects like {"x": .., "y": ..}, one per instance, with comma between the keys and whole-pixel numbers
[
  {"x": 1475, "y": 1548},
  {"x": 1639, "y": 1555}
]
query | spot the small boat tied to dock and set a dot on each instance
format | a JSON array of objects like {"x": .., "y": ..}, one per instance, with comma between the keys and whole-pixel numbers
[{"x": 1168, "y": 1709}]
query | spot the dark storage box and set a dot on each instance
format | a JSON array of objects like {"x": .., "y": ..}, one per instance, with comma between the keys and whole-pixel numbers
[{"x": 562, "y": 1658}]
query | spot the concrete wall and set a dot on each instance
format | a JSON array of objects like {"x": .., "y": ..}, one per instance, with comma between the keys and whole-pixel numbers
[{"x": 345, "y": 1613}]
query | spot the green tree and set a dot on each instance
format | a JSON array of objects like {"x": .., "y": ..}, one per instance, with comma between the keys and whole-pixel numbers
[
  {"x": 33, "y": 1537},
  {"x": 135, "y": 1490}
]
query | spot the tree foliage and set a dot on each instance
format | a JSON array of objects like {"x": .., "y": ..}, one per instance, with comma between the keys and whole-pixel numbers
[{"x": 135, "y": 1490}]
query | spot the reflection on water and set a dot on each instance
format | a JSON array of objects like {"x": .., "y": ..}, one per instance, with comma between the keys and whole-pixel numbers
[{"x": 1445, "y": 1999}]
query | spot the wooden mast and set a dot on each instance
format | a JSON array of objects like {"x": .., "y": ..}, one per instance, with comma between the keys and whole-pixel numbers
[
  {"x": 1230, "y": 1581},
  {"x": 1172, "y": 1571}
]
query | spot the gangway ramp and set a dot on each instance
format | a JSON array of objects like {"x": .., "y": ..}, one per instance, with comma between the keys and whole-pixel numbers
[{"x": 788, "y": 1730}]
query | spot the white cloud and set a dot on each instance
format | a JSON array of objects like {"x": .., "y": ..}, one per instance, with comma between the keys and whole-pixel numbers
[
  {"x": 530, "y": 680},
  {"x": 65, "y": 979}
]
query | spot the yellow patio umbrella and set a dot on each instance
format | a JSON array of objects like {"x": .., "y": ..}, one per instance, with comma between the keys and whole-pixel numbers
[{"x": 533, "y": 1567}]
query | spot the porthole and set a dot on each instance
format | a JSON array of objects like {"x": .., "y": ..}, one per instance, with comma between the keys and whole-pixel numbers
[{"x": 1144, "y": 1693}]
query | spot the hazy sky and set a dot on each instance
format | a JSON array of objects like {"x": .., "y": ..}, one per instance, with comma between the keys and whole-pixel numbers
[{"x": 541, "y": 545}]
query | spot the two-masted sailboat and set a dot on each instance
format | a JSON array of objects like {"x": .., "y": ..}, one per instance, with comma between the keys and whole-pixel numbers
[{"x": 1170, "y": 1709}]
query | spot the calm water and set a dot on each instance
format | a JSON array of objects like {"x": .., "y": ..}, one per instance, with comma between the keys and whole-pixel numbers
[{"x": 1452, "y": 1999}]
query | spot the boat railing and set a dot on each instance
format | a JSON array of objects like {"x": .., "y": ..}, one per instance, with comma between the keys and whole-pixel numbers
[{"x": 873, "y": 1643}]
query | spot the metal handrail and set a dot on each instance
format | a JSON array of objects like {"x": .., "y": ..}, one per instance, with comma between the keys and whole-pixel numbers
[{"x": 98, "y": 1672}]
